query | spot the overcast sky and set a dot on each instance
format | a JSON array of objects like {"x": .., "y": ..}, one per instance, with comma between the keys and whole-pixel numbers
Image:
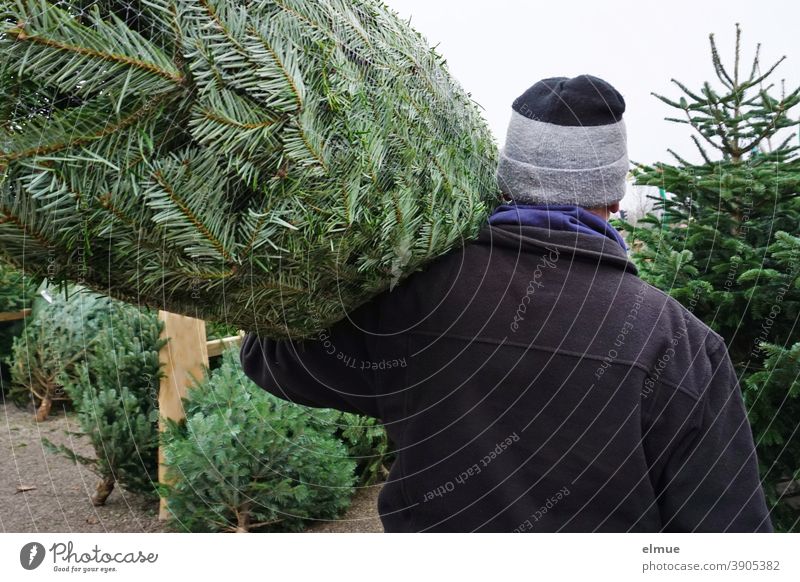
[{"x": 497, "y": 49}]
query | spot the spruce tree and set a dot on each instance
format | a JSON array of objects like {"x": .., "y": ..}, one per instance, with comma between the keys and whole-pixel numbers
[
  {"x": 726, "y": 245},
  {"x": 270, "y": 164}
]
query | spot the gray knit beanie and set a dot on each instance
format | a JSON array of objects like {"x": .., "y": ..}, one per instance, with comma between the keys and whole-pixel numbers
[{"x": 566, "y": 144}]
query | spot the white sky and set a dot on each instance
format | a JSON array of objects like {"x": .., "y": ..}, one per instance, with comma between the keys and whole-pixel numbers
[{"x": 497, "y": 49}]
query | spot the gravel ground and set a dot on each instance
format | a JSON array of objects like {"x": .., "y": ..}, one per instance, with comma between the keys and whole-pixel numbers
[
  {"x": 361, "y": 517},
  {"x": 61, "y": 498},
  {"x": 44, "y": 492}
]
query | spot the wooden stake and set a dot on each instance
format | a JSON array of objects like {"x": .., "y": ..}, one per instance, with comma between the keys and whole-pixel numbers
[
  {"x": 216, "y": 347},
  {"x": 15, "y": 315},
  {"x": 183, "y": 357}
]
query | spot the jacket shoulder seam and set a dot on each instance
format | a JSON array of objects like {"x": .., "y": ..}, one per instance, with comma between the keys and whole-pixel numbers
[
  {"x": 586, "y": 356},
  {"x": 686, "y": 312}
]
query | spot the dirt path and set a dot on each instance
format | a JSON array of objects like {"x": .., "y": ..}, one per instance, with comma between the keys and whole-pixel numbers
[{"x": 60, "y": 498}]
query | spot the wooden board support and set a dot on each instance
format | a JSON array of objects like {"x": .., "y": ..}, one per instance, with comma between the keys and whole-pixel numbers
[
  {"x": 14, "y": 315},
  {"x": 183, "y": 357},
  {"x": 216, "y": 347}
]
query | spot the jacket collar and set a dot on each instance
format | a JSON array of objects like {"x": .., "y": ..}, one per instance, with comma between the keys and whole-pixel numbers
[{"x": 581, "y": 246}]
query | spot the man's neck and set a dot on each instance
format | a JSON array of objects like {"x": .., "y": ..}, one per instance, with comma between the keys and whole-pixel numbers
[{"x": 601, "y": 212}]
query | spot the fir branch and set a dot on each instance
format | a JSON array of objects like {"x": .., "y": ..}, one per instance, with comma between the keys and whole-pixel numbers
[
  {"x": 221, "y": 118},
  {"x": 306, "y": 140},
  {"x": 63, "y": 125},
  {"x": 760, "y": 78},
  {"x": 20, "y": 35},
  {"x": 283, "y": 6},
  {"x": 209, "y": 275},
  {"x": 737, "y": 55},
  {"x": 53, "y": 47},
  {"x": 722, "y": 75},
  {"x": 755, "y": 66},
  {"x": 769, "y": 129},
  {"x": 245, "y": 251},
  {"x": 692, "y": 95},
  {"x": 679, "y": 159},
  {"x": 701, "y": 149},
  {"x": 25, "y": 227},
  {"x": 215, "y": 17},
  {"x": 191, "y": 216},
  {"x": 105, "y": 201},
  {"x": 295, "y": 88}
]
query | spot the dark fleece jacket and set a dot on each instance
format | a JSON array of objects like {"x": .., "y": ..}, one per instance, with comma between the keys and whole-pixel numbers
[{"x": 530, "y": 381}]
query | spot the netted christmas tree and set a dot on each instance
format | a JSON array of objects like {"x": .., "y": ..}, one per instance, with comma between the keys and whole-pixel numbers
[
  {"x": 269, "y": 164},
  {"x": 727, "y": 247}
]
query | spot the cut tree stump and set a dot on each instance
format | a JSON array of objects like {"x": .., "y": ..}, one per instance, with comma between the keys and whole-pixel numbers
[
  {"x": 43, "y": 411},
  {"x": 104, "y": 488}
]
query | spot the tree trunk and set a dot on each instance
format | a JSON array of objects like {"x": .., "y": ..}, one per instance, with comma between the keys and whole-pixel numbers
[
  {"x": 104, "y": 488},
  {"x": 44, "y": 409},
  {"x": 243, "y": 520}
]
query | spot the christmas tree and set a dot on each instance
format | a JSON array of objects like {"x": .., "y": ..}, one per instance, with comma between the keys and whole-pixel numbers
[
  {"x": 726, "y": 246},
  {"x": 115, "y": 393},
  {"x": 244, "y": 460},
  {"x": 269, "y": 164}
]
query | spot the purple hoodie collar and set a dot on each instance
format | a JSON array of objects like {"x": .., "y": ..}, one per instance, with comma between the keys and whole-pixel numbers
[{"x": 568, "y": 218}]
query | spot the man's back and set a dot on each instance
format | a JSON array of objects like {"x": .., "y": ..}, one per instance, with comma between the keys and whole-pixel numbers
[{"x": 532, "y": 382}]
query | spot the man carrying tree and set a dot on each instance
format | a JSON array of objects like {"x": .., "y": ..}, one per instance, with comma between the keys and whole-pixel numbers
[{"x": 530, "y": 381}]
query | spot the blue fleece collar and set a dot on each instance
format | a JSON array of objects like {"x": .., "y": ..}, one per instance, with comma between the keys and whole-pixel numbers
[{"x": 568, "y": 218}]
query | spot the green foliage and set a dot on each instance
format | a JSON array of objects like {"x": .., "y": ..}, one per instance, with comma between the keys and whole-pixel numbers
[
  {"x": 244, "y": 460},
  {"x": 776, "y": 387},
  {"x": 368, "y": 444},
  {"x": 727, "y": 247},
  {"x": 218, "y": 330},
  {"x": 16, "y": 290},
  {"x": 16, "y": 294},
  {"x": 57, "y": 337},
  {"x": 365, "y": 438},
  {"x": 116, "y": 396},
  {"x": 270, "y": 164}
]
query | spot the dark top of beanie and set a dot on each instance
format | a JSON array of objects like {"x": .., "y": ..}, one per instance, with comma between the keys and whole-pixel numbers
[{"x": 583, "y": 100}]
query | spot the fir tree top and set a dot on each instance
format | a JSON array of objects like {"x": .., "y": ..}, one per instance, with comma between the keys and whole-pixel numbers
[{"x": 740, "y": 117}]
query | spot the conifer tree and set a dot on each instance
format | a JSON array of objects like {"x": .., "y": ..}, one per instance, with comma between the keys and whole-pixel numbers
[
  {"x": 60, "y": 334},
  {"x": 115, "y": 393},
  {"x": 243, "y": 460},
  {"x": 269, "y": 164},
  {"x": 726, "y": 245}
]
